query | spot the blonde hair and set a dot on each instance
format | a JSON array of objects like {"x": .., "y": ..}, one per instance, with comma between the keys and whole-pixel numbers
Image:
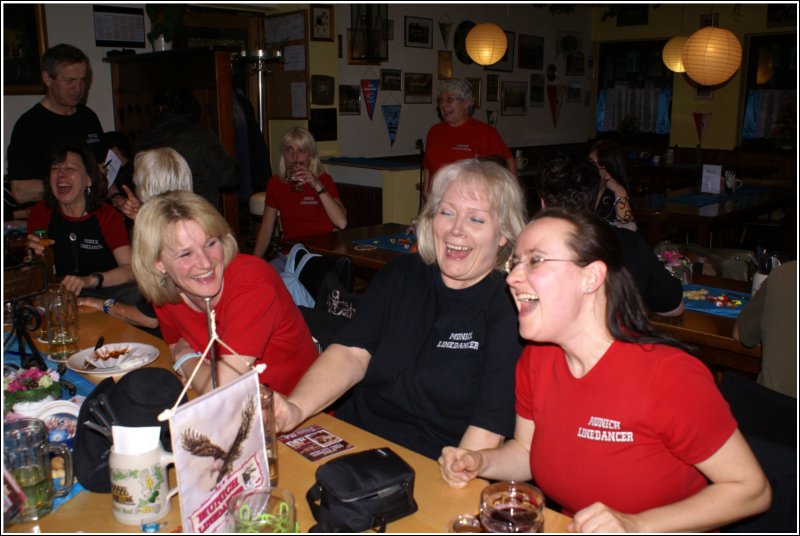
[
  {"x": 479, "y": 180},
  {"x": 154, "y": 228},
  {"x": 303, "y": 139},
  {"x": 160, "y": 170}
]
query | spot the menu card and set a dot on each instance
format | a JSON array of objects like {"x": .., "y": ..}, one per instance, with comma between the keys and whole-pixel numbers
[
  {"x": 712, "y": 179},
  {"x": 314, "y": 442}
]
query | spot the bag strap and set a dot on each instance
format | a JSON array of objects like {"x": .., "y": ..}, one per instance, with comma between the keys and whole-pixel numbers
[
  {"x": 307, "y": 257},
  {"x": 290, "y": 259}
]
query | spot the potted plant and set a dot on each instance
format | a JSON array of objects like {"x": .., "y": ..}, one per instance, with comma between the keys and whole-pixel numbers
[{"x": 165, "y": 20}]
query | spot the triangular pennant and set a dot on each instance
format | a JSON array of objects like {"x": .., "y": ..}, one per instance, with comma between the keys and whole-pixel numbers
[
  {"x": 370, "y": 89},
  {"x": 555, "y": 97},
  {"x": 391, "y": 115},
  {"x": 444, "y": 28},
  {"x": 701, "y": 121}
]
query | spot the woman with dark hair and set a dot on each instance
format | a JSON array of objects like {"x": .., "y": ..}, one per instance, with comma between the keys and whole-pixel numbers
[
  {"x": 614, "y": 203},
  {"x": 616, "y": 422},
  {"x": 89, "y": 239}
]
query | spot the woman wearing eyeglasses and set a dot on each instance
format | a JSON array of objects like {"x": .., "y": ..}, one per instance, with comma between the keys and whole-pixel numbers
[
  {"x": 459, "y": 135},
  {"x": 616, "y": 422}
]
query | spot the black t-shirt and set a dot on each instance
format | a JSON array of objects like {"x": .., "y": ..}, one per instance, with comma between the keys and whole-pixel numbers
[
  {"x": 39, "y": 132},
  {"x": 442, "y": 359},
  {"x": 660, "y": 290}
]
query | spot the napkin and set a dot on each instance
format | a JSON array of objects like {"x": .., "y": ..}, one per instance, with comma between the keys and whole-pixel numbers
[{"x": 135, "y": 440}]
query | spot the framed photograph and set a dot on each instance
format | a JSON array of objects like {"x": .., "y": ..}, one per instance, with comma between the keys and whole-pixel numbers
[
  {"x": 349, "y": 99},
  {"x": 492, "y": 87},
  {"x": 419, "y": 32},
  {"x": 574, "y": 90},
  {"x": 25, "y": 40},
  {"x": 357, "y": 53},
  {"x": 418, "y": 88},
  {"x": 536, "y": 95},
  {"x": 476, "y": 91},
  {"x": 445, "y": 65},
  {"x": 575, "y": 65},
  {"x": 390, "y": 79},
  {"x": 514, "y": 98},
  {"x": 506, "y": 63},
  {"x": 531, "y": 52},
  {"x": 703, "y": 93},
  {"x": 118, "y": 26},
  {"x": 321, "y": 22},
  {"x": 322, "y": 89}
]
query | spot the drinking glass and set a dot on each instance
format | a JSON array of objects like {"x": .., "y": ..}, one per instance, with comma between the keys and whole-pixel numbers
[
  {"x": 270, "y": 437},
  {"x": 512, "y": 507},
  {"x": 262, "y": 510},
  {"x": 297, "y": 186},
  {"x": 61, "y": 310}
]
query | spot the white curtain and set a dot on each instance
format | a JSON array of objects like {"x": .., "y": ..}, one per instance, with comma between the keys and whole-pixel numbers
[{"x": 641, "y": 103}]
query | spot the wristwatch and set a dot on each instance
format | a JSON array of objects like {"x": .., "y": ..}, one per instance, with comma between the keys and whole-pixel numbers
[
  {"x": 108, "y": 304},
  {"x": 321, "y": 191},
  {"x": 99, "y": 277}
]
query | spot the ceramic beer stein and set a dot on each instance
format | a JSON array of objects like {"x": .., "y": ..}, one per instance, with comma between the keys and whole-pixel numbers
[{"x": 139, "y": 486}]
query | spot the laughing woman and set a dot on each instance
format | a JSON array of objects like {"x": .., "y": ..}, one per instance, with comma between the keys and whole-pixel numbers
[
  {"x": 183, "y": 254},
  {"x": 616, "y": 422},
  {"x": 89, "y": 238},
  {"x": 430, "y": 354}
]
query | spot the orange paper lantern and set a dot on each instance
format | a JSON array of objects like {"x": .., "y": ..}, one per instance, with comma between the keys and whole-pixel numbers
[
  {"x": 486, "y": 43},
  {"x": 711, "y": 55},
  {"x": 671, "y": 54}
]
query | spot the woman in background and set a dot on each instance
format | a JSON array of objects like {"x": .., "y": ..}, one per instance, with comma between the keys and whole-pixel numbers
[
  {"x": 614, "y": 202},
  {"x": 302, "y": 192}
]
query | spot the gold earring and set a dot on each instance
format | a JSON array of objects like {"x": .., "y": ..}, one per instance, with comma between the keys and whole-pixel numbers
[{"x": 163, "y": 281}]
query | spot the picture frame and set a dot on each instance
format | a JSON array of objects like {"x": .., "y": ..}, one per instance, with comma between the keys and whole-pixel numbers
[
  {"x": 391, "y": 79},
  {"x": 25, "y": 35},
  {"x": 492, "y": 88},
  {"x": 703, "y": 93},
  {"x": 418, "y": 32},
  {"x": 322, "y": 23},
  {"x": 445, "y": 64},
  {"x": 575, "y": 64},
  {"x": 356, "y": 49},
  {"x": 476, "y": 91},
  {"x": 506, "y": 63},
  {"x": 513, "y": 98},
  {"x": 418, "y": 88},
  {"x": 349, "y": 99},
  {"x": 574, "y": 90},
  {"x": 536, "y": 93},
  {"x": 530, "y": 53},
  {"x": 322, "y": 89}
]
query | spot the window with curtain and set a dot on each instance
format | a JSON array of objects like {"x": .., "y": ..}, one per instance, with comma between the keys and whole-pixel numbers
[
  {"x": 770, "y": 105},
  {"x": 634, "y": 89}
]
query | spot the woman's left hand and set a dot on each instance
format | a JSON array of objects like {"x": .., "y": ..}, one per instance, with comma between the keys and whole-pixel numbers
[
  {"x": 91, "y": 303},
  {"x": 76, "y": 283},
  {"x": 598, "y": 517}
]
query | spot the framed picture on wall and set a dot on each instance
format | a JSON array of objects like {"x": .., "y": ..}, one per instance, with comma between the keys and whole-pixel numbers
[
  {"x": 476, "y": 91},
  {"x": 513, "y": 100},
  {"x": 492, "y": 88},
  {"x": 349, "y": 99},
  {"x": 506, "y": 63},
  {"x": 531, "y": 52},
  {"x": 322, "y": 88},
  {"x": 419, "y": 32},
  {"x": 25, "y": 40},
  {"x": 390, "y": 79},
  {"x": 418, "y": 88},
  {"x": 536, "y": 95},
  {"x": 321, "y": 22},
  {"x": 574, "y": 89},
  {"x": 703, "y": 93}
]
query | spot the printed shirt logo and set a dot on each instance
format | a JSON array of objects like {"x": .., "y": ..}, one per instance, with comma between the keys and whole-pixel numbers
[
  {"x": 459, "y": 341},
  {"x": 605, "y": 430},
  {"x": 463, "y": 147},
  {"x": 91, "y": 244}
]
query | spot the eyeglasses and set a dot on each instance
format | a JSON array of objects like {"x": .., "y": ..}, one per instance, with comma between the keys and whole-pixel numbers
[
  {"x": 448, "y": 100},
  {"x": 531, "y": 263}
]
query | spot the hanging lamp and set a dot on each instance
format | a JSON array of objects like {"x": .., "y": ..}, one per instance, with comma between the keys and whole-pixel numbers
[
  {"x": 486, "y": 43},
  {"x": 711, "y": 55},
  {"x": 672, "y": 52}
]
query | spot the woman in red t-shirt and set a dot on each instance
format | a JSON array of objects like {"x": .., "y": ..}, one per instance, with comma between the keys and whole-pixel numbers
[{"x": 302, "y": 192}]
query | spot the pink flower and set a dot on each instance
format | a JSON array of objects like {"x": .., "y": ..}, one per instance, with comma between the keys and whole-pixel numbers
[{"x": 14, "y": 385}]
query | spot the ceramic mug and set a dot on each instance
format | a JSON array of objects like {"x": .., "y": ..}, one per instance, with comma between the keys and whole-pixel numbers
[
  {"x": 139, "y": 486},
  {"x": 521, "y": 162},
  {"x": 26, "y": 453},
  {"x": 733, "y": 183}
]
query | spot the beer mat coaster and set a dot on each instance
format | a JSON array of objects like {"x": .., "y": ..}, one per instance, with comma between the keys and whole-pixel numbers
[
  {"x": 400, "y": 242},
  {"x": 714, "y": 301},
  {"x": 314, "y": 442}
]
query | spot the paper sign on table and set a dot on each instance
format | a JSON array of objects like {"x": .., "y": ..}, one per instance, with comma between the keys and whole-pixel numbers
[
  {"x": 712, "y": 179},
  {"x": 314, "y": 442}
]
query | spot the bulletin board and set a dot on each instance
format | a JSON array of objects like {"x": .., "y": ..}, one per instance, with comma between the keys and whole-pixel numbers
[{"x": 287, "y": 85}]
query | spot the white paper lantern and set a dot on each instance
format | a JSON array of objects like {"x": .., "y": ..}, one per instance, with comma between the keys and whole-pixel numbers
[
  {"x": 711, "y": 55},
  {"x": 486, "y": 43},
  {"x": 671, "y": 54}
]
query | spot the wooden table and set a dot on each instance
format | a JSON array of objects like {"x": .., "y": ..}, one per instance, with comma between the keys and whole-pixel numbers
[
  {"x": 438, "y": 503},
  {"x": 655, "y": 210},
  {"x": 712, "y": 334},
  {"x": 341, "y": 243}
]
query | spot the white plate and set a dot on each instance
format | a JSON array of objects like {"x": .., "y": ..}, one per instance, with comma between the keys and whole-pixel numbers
[
  {"x": 138, "y": 356},
  {"x": 61, "y": 420}
]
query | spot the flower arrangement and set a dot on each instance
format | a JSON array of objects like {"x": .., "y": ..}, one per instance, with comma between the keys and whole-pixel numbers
[
  {"x": 678, "y": 265},
  {"x": 29, "y": 386}
]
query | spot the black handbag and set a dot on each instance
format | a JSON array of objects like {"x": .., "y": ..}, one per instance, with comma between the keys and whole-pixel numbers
[{"x": 362, "y": 491}]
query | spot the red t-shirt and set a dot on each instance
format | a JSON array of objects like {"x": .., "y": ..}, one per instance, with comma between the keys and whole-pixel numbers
[
  {"x": 447, "y": 144},
  {"x": 626, "y": 434},
  {"x": 302, "y": 213},
  {"x": 111, "y": 223},
  {"x": 255, "y": 316}
]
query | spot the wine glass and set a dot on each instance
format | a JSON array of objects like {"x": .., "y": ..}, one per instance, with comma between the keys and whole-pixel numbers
[{"x": 512, "y": 507}]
